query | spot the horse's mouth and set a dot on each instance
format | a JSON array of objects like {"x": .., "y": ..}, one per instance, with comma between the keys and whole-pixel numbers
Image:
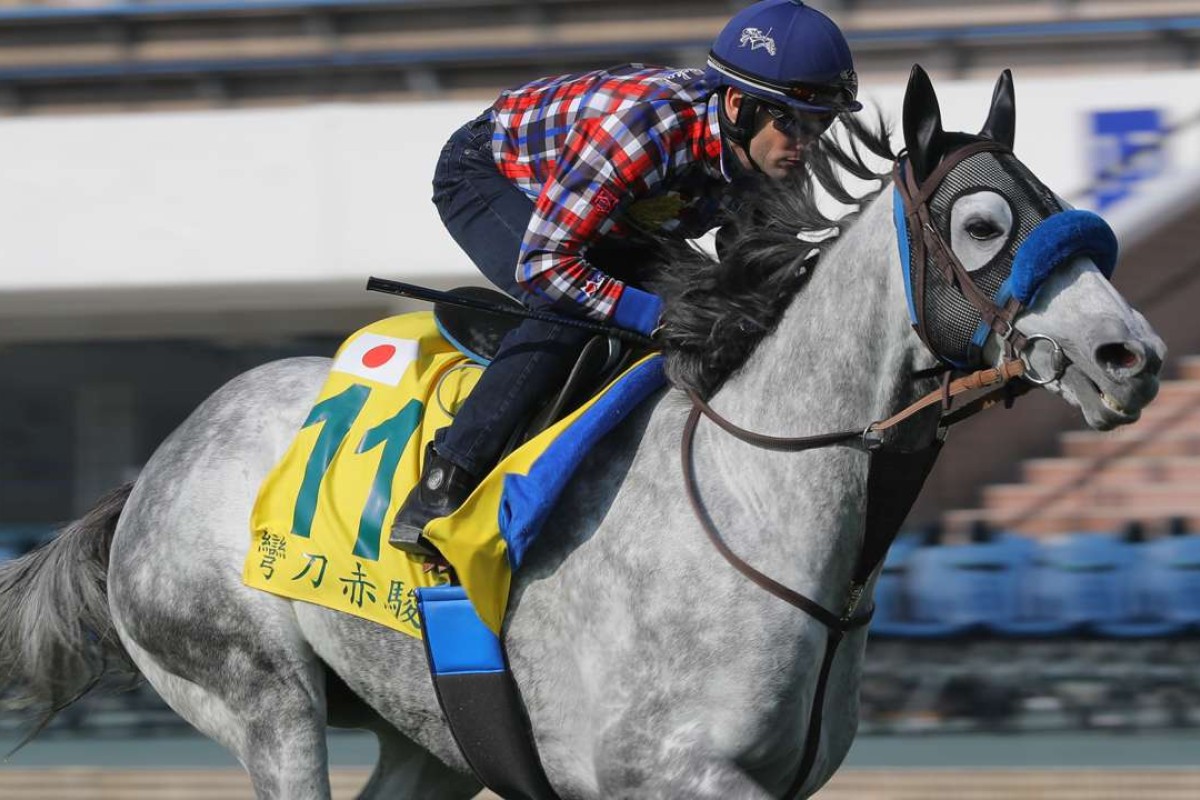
[
  {"x": 1114, "y": 406},
  {"x": 1102, "y": 410}
]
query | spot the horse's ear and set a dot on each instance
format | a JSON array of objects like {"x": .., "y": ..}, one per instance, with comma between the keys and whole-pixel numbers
[
  {"x": 923, "y": 135},
  {"x": 1001, "y": 125}
]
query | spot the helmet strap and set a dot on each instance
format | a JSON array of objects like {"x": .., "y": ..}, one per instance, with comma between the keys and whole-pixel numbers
[{"x": 741, "y": 130}]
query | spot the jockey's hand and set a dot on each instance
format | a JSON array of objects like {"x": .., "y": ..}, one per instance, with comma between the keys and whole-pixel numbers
[{"x": 638, "y": 310}]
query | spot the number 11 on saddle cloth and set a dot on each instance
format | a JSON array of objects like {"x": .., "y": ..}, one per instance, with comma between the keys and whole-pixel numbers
[{"x": 320, "y": 520}]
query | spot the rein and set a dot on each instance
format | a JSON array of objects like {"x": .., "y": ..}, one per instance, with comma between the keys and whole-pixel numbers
[
  {"x": 894, "y": 477},
  {"x": 995, "y": 379},
  {"x": 893, "y": 481}
]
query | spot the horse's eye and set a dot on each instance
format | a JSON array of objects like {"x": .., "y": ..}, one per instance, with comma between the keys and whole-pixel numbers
[{"x": 981, "y": 230}]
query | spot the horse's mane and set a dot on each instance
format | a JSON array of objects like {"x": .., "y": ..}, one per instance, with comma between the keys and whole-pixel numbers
[{"x": 717, "y": 311}]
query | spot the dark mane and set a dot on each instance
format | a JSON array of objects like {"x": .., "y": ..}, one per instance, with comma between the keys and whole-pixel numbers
[{"x": 716, "y": 312}]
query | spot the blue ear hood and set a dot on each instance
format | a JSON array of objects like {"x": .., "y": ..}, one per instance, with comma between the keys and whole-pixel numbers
[{"x": 1055, "y": 241}]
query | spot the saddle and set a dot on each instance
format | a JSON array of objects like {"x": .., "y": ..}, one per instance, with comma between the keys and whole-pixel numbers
[{"x": 477, "y": 335}]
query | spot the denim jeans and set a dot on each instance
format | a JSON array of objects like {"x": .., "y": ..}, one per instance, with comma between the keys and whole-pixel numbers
[{"x": 487, "y": 215}]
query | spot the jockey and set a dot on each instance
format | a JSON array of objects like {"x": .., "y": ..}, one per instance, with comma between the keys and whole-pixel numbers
[{"x": 542, "y": 188}]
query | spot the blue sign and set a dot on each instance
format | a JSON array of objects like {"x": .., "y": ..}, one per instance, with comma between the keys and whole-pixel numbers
[{"x": 1126, "y": 148}]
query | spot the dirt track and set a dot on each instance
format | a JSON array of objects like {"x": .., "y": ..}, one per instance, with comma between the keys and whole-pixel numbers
[{"x": 222, "y": 784}]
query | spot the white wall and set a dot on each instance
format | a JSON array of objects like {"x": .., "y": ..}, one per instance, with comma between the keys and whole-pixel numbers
[
  {"x": 206, "y": 198},
  {"x": 1053, "y": 116},
  {"x": 311, "y": 200}
]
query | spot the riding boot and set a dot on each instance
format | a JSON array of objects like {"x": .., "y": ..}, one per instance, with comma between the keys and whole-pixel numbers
[{"x": 442, "y": 489}]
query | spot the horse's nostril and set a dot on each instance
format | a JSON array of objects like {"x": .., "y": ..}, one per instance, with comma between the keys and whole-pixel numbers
[{"x": 1124, "y": 356}]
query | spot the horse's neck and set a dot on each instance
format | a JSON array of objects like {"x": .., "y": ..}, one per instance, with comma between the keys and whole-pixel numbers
[
  {"x": 843, "y": 352},
  {"x": 841, "y": 358}
]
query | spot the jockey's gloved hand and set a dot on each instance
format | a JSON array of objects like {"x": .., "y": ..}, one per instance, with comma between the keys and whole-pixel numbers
[{"x": 638, "y": 310}]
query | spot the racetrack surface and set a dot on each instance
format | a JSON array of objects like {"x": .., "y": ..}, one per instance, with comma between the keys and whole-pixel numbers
[
  {"x": 227, "y": 784},
  {"x": 964, "y": 767}
]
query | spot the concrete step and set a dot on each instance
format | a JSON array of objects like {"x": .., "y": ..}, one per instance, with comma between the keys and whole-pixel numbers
[
  {"x": 1176, "y": 497},
  {"x": 1052, "y": 522},
  {"x": 1057, "y": 472},
  {"x": 1148, "y": 472},
  {"x": 1131, "y": 442},
  {"x": 1170, "y": 413},
  {"x": 1189, "y": 368},
  {"x": 1167, "y": 421},
  {"x": 1179, "y": 392}
]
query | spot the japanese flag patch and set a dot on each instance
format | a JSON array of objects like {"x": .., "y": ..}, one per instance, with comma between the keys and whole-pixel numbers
[{"x": 381, "y": 359}]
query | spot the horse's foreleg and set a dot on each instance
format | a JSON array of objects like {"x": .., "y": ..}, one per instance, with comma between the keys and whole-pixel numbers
[
  {"x": 287, "y": 761},
  {"x": 407, "y": 772}
]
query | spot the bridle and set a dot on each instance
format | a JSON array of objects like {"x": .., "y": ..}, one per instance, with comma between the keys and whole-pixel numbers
[
  {"x": 927, "y": 242},
  {"x": 895, "y": 476}
]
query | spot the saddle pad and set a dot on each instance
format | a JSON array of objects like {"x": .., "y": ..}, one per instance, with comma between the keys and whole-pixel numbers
[
  {"x": 321, "y": 520},
  {"x": 322, "y": 517},
  {"x": 487, "y": 538}
]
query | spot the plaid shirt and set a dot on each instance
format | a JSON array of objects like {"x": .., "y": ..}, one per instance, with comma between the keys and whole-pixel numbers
[{"x": 600, "y": 153}]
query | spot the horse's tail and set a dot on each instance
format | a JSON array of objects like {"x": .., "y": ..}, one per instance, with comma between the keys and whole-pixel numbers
[{"x": 56, "y": 633}]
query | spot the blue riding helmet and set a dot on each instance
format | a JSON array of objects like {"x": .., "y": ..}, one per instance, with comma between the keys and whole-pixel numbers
[{"x": 787, "y": 54}]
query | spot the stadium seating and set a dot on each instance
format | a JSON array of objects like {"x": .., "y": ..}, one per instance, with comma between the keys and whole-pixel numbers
[
  {"x": 1081, "y": 584},
  {"x": 1172, "y": 578},
  {"x": 894, "y": 614},
  {"x": 1145, "y": 473}
]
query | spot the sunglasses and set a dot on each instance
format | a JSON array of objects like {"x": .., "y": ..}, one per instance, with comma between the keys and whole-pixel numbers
[
  {"x": 797, "y": 124},
  {"x": 839, "y": 96}
]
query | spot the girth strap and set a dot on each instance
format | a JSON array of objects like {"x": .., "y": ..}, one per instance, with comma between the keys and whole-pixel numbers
[{"x": 479, "y": 696}]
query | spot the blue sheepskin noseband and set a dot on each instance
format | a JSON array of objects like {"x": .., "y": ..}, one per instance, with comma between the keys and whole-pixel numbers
[{"x": 1057, "y": 241}]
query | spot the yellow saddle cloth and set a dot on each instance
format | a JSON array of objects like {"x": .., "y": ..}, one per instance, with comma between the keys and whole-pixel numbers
[{"x": 322, "y": 517}]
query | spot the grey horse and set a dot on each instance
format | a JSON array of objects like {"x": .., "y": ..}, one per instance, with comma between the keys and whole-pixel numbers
[{"x": 649, "y": 667}]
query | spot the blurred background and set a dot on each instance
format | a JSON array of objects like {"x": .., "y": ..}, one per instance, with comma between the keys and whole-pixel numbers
[{"x": 189, "y": 189}]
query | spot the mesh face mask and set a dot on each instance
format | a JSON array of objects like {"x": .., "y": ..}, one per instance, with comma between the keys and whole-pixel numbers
[
  {"x": 955, "y": 327},
  {"x": 955, "y": 310}
]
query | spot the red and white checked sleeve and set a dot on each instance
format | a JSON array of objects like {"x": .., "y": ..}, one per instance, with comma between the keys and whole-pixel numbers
[{"x": 606, "y": 162}]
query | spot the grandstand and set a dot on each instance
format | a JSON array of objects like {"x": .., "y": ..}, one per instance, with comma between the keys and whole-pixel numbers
[
  {"x": 72, "y": 57},
  {"x": 1026, "y": 626},
  {"x": 1147, "y": 473},
  {"x": 1009, "y": 633}
]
